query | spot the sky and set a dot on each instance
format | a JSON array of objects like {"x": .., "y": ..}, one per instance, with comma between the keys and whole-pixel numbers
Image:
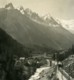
[{"x": 62, "y": 9}]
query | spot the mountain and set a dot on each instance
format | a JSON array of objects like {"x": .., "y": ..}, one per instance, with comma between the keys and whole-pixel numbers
[
  {"x": 48, "y": 19},
  {"x": 68, "y": 24},
  {"x": 33, "y": 16},
  {"x": 10, "y": 47},
  {"x": 9, "y": 6},
  {"x": 29, "y": 31},
  {"x": 45, "y": 20}
]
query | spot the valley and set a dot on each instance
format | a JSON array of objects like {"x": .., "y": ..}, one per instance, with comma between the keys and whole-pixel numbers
[{"x": 34, "y": 47}]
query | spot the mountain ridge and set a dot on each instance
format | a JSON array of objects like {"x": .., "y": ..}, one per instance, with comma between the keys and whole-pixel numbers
[{"x": 29, "y": 32}]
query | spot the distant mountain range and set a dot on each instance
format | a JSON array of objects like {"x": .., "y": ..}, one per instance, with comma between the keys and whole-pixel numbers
[
  {"x": 68, "y": 24},
  {"x": 28, "y": 28}
]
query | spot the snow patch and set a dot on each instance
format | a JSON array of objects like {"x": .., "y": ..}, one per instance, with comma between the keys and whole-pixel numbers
[
  {"x": 68, "y": 24},
  {"x": 47, "y": 16}
]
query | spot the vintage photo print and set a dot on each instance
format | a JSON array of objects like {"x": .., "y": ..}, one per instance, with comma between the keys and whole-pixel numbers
[{"x": 36, "y": 39}]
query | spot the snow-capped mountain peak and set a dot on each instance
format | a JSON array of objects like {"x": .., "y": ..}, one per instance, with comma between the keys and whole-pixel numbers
[
  {"x": 68, "y": 24},
  {"x": 22, "y": 9},
  {"x": 28, "y": 11},
  {"x": 9, "y": 6},
  {"x": 25, "y": 11},
  {"x": 47, "y": 16}
]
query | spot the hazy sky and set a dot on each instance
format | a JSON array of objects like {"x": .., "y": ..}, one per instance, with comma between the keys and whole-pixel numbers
[{"x": 63, "y": 9}]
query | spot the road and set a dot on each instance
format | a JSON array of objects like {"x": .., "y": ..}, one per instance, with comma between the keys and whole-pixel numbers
[{"x": 48, "y": 73}]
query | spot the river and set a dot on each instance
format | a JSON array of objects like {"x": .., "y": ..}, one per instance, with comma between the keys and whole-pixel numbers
[
  {"x": 40, "y": 72},
  {"x": 43, "y": 73}
]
